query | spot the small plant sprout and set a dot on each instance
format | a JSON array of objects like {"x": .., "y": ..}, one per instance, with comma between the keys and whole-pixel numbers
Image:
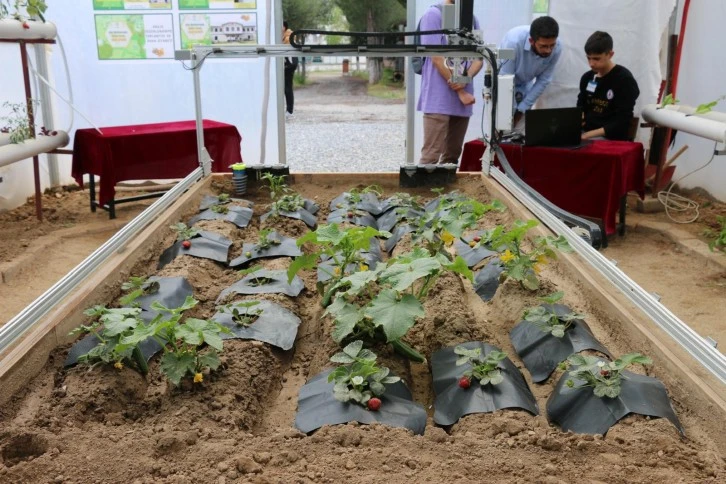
[
  {"x": 276, "y": 184},
  {"x": 359, "y": 379},
  {"x": 242, "y": 313},
  {"x": 485, "y": 369},
  {"x": 265, "y": 241},
  {"x": 183, "y": 232},
  {"x": 223, "y": 198},
  {"x": 521, "y": 265},
  {"x": 719, "y": 238},
  {"x": 17, "y": 122},
  {"x": 256, "y": 280},
  {"x": 604, "y": 377},
  {"x": 137, "y": 287},
  {"x": 291, "y": 202},
  {"x": 547, "y": 320},
  {"x": 355, "y": 196},
  {"x": 220, "y": 208}
]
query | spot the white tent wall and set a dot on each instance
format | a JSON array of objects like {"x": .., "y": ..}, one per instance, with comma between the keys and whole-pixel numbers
[
  {"x": 495, "y": 19},
  {"x": 701, "y": 80},
  {"x": 637, "y": 28},
  {"x": 120, "y": 92}
]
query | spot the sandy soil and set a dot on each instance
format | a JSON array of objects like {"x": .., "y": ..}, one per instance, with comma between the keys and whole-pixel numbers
[{"x": 115, "y": 426}]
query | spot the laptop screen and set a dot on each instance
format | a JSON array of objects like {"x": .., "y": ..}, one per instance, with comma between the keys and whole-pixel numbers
[{"x": 553, "y": 127}]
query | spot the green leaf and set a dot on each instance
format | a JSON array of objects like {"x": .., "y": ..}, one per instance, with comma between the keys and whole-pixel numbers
[
  {"x": 353, "y": 348},
  {"x": 377, "y": 388},
  {"x": 342, "y": 358},
  {"x": 403, "y": 276},
  {"x": 705, "y": 107},
  {"x": 395, "y": 316},
  {"x": 210, "y": 360},
  {"x": 176, "y": 366},
  {"x": 612, "y": 391},
  {"x": 141, "y": 333},
  {"x": 558, "y": 331},
  {"x": 197, "y": 331},
  {"x": 496, "y": 377},
  {"x": 459, "y": 267},
  {"x": 115, "y": 328},
  {"x": 531, "y": 281},
  {"x": 346, "y": 316},
  {"x": 600, "y": 390},
  {"x": 553, "y": 298},
  {"x": 305, "y": 261}
]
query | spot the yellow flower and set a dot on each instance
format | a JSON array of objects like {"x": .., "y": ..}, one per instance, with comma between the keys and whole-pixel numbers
[
  {"x": 542, "y": 259},
  {"x": 337, "y": 271},
  {"x": 507, "y": 256},
  {"x": 118, "y": 365},
  {"x": 198, "y": 378},
  {"x": 537, "y": 268},
  {"x": 447, "y": 237},
  {"x": 363, "y": 267}
]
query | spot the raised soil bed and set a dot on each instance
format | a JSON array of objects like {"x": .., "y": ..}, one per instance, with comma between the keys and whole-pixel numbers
[{"x": 108, "y": 425}]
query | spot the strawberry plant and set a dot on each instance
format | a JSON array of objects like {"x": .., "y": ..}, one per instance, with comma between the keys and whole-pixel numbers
[
  {"x": 265, "y": 241},
  {"x": 483, "y": 368},
  {"x": 219, "y": 208},
  {"x": 137, "y": 287},
  {"x": 342, "y": 246},
  {"x": 223, "y": 198},
  {"x": 359, "y": 379},
  {"x": 242, "y": 312},
  {"x": 110, "y": 327},
  {"x": 437, "y": 229},
  {"x": 605, "y": 378},
  {"x": 355, "y": 195},
  {"x": 719, "y": 238},
  {"x": 291, "y": 202},
  {"x": 519, "y": 264},
  {"x": 16, "y": 123},
  {"x": 547, "y": 320},
  {"x": 257, "y": 280},
  {"x": 183, "y": 232},
  {"x": 190, "y": 347},
  {"x": 276, "y": 184}
]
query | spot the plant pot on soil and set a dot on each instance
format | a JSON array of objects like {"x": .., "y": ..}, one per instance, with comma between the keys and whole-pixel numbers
[
  {"x": 317, "y": 407},
  {"x": 541, "y": 352},
  {"x": 274, "y": 325},
  {"x": 369, "y": 203},
  {"x": 286, "y": 248},
  {"x": 453, "y": 402},
  {"x": 240, "y": 216},
  {"x": 206, "y": 245},
  {"x": 486, "y": 281},
  {"x": 579, "y": 410},
  {"x": 265, "y": 282},
  {"x": 359, "y": 217}
]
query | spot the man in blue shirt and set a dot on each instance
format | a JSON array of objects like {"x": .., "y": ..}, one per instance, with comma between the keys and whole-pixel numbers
[{"x": 536, "y": 52}]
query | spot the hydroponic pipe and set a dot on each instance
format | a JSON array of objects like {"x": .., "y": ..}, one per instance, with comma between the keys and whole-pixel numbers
[
  {"x": 28, "y": 30},
  {"x": 12, "y": 153},
  {"x": 4, "y": 139},
  {"x": 700, "y": 126}
]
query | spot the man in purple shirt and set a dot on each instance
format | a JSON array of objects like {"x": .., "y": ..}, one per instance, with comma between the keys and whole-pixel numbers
[{"x": 447, "y": 106}]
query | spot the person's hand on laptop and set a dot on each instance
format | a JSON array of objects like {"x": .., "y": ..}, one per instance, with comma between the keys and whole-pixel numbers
[{"x": 595, "y": 133}]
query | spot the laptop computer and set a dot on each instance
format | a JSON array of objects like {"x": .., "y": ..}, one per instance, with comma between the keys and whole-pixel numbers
[{"x": 560, "y": 127}]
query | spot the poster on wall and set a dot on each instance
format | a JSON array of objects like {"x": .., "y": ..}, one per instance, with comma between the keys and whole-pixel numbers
[
  {"x": 218, "y": 29},
  {"x": 216, "y": 4},
  {"x": 131, "y": 4},
  {"x": 136, "y": 36}
]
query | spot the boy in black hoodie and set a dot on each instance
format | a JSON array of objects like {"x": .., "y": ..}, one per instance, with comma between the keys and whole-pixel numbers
[{"x": 607, "y": 93}]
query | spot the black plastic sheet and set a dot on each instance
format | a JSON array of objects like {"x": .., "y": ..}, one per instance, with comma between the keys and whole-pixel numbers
[
  {"x": 317, "y": 407},
  {"x": 364, "y": 219},
  {"x": 301, "y": 214},
  {"x": 206, "y": 245},
  {"x": 541, "y": 352},
  {"x": 390, "y": 243},
  {"x": 579, "y": 410},
  {"x": 286, "y": 248},
  {"x": 278, "y": 285},
  {"x": 311, "y": 206},
  {"x": 148, "y": 347},
  {"x": 210, "y": 200},
  {"x": 369, "y": 203},
  {"x": 472, "y": 256},
  {"x": 240, "y": 216},
  {"x": 392, "y": 218},
  {"x": 486, "y": 281},
  {"x": 172, "y": 292},
  {"x": 276, "y": 325},
  {"x": 453, "y": 402}
]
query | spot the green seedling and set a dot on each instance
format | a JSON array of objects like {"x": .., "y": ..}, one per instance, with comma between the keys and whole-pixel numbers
[
  {"x": 242, "y": 312},
  {"x": 359, "y": 379},
  {"x": 256, "y": 280},
  {"x": 265, "y": 241},
  {"x": 137, "y": 287},
  {"x": 547, "y": 320},
  {"x": 355, "y": 196},
  {"x": 219, "y": 208},
  {"x": 17, "y": 123},
  {"x": 291, "y": 202},
  {"x": 223, "y": 198},
  {"x": 605, "y": 378},
  {"x": 276, "y": 184},
  {"x": 183, "y": 232},
  {"x": 485, "y": 369},
  {"x": 719, "y": 238}
]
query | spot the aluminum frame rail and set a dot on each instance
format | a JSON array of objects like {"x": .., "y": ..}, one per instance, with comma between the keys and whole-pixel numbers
[
  {"x": 712, "y": 359},
  {"x": 28, "y": 317}
]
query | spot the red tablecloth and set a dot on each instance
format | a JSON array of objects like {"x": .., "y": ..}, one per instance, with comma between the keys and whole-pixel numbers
[
  {"x": 588, "y": 181},
  {"x": 150, "y": 151}
]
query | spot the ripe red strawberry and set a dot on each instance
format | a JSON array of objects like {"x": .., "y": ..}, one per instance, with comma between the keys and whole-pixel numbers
[
  {"x": 186, "y": 244},
  {"x": 605, "y": 373},
  {"x": 351, "y": 214},
  {"x": 477, "y": 239},
  {"x": 464, "y": 382},
  {"x": 26, "y": 26},
  {"x": 374, "y": 404}
]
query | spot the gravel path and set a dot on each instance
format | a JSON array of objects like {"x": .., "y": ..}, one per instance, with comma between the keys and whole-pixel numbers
[{"x": 337, "y": 127}]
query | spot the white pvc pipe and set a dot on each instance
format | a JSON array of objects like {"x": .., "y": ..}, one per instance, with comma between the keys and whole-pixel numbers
[
  {"x": 712, "y": 129},
  {"x": 42, "y": 144},
  {"x": 682, "y": 108},
  {"x": 4, "y": 139},
  {"x": 13, "y": 29}
]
